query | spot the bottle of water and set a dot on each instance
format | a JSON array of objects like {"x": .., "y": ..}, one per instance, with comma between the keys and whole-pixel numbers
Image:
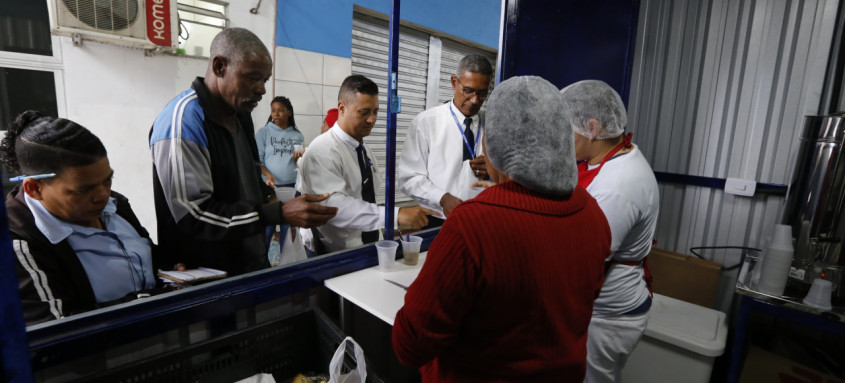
[
  {"x": 776, "y": 262},
  {"x": 275, "y": 248}
]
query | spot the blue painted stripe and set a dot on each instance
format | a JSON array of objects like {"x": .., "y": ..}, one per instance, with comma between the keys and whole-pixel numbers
[
  {"x": 326, "y": 26},
  {"x": 716, "y": 183},
  {"x": 315, "y": 26}
]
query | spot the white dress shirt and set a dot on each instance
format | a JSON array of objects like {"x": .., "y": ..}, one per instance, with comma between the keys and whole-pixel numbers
[
  {"x": 432, "y": 161},
  {"x": 330, "y": 165}
]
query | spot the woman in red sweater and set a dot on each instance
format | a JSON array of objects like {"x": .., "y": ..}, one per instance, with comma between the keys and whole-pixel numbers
[{"x": 507, "y": 289}]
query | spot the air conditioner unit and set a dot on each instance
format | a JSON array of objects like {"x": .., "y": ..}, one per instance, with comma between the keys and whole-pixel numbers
[{"x": 145, "y": 24}]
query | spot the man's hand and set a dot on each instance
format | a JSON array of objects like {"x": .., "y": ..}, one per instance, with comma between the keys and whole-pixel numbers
[
  {"x": 302, "y": 212},
  {"x": 449, "y": 202},
  {"x": 414, "y": 217},
  {"x": 479, "y": 167}
]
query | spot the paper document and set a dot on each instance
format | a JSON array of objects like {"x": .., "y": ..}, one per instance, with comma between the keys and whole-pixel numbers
[{"x": 193, "y": 275}]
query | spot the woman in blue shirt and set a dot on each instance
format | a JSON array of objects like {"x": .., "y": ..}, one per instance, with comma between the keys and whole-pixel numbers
[
  {"x": 78, "y": 245},
  {"x": 276, "y": 142}
]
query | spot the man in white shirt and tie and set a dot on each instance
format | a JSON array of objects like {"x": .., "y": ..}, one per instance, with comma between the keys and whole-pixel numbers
[
  {"x": 442, "y": 156},
  {"x": 339, "y": 164}
]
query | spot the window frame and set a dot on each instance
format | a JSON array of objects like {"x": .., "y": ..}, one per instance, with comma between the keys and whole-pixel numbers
[
  {"x": 43, "y": 63},
  {"x": 184, "y": 6}
]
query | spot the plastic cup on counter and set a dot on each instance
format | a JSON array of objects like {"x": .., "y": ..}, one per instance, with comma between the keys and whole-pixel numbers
[
  {"x": 285, "y": 193},
  {"x": 386, "y": 254},
  {"x": 819, "y": 295},
  {"x": 411, "y": 249}
]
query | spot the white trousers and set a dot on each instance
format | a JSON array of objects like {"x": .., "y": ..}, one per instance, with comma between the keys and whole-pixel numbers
[{"x": 609, "y": 342}]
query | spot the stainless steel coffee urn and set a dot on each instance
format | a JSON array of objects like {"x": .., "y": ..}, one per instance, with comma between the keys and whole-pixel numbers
[{"x": 815, "y": 206}]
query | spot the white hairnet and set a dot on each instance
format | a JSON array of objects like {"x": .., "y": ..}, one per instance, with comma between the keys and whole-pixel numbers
[
  {"x": 529, "y": 135},
  {"x": 595, "y": 99}
]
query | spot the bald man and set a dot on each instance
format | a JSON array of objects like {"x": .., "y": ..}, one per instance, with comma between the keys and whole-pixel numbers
[{"x": 210, "y": 209}]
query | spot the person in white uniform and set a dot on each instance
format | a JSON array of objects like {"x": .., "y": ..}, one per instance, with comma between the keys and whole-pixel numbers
[
  {"x": 339, "y": 164},
  {"x": 442, "y": 155},
  {"x": 618, "y": 176}
]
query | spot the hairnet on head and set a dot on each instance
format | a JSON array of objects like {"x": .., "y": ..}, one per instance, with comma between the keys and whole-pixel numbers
[
  {"x": 595, "y": 99},
  {"x": 529, "y": 136}
]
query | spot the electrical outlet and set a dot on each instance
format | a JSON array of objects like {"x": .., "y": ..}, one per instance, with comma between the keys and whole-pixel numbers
[{"x": 740, "y": 186}]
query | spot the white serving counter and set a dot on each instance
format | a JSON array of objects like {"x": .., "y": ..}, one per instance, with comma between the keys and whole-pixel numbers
[{"x": 379, "y": 293}]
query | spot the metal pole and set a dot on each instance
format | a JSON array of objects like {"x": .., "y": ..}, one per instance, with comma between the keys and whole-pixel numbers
[{"x": 393, "y": 108}]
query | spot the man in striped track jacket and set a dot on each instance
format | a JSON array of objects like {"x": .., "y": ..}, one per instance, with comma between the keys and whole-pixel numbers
[{"x": 210, "y": 209}]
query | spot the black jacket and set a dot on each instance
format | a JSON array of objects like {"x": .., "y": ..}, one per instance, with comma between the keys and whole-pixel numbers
[
  {"x": 199, "y": 160},
  {"x": 51, "y": 280}
]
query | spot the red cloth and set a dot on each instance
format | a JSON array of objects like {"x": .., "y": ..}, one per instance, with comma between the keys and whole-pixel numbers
[
  {"x": 586, "y": 175},
  {"x": 331, "y": 117},
  {"x": 506, "y": 292}
]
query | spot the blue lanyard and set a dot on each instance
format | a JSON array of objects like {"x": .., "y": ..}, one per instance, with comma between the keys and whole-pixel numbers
[{"x": 461, "y": 129}]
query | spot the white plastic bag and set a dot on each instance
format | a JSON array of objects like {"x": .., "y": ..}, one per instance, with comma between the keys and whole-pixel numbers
[
  {"x": 359, "y": 375},
  {"x": 258, "y": 378},
  {"x": 465, "y": 180},
  {"x": 293, "y": 250}
]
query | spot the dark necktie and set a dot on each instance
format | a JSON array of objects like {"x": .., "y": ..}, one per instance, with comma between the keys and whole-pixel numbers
[
  {"x": 469, "y": 137},
  {"x": 368, "y": 191}
]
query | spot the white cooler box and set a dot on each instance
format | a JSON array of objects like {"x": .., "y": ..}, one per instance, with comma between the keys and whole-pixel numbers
[{"x": 679, "y": 345}]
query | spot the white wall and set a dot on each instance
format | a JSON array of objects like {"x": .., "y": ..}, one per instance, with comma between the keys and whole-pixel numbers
[
  {"x": 311, "y": 81},
  {"x": 117, "y": 92}
]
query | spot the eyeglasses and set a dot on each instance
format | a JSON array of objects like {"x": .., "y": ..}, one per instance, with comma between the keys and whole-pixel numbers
[{"x": 469, "y": 92}]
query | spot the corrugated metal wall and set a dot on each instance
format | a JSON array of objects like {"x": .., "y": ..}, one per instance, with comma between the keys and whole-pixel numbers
[
  {"x": 719, "y": 89},
  {"x": 370, "y": 38},
  {"x": 422, "y": 59}
]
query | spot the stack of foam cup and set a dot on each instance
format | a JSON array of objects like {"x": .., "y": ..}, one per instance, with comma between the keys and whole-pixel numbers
[{"x": 776, "y": 262}]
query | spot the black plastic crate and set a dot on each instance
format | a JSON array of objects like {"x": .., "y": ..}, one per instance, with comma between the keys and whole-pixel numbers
[{"x": 301, "y": 343}]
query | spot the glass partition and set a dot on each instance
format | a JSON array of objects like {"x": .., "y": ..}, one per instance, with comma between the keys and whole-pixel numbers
[{"x": 428, "y": 59}]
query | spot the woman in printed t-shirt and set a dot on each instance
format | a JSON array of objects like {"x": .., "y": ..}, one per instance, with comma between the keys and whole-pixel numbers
[
  {"x": 276, "y": 142},
  {"x": 276, "y": 150}
]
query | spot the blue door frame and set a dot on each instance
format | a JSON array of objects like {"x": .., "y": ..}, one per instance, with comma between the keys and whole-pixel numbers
[{"x": 565, "y": 41}]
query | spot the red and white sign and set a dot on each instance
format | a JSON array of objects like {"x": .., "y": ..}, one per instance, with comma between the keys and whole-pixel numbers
[{"x": 158, "y": 22}]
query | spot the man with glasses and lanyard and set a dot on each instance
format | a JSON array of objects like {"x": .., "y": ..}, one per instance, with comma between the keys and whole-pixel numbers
[{"x": 442, "y": 158}]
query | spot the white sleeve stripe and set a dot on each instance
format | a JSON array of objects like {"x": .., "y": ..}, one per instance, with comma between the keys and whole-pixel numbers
[
  {"x": 176, "y": 146},
  {"x": 205, "y": 219},
  {"x": 205, "y": 216},
  {"x": 234, "y": 220},
  {"x": 179, "y": 174},
  {"x": 39, "y": 279}
]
